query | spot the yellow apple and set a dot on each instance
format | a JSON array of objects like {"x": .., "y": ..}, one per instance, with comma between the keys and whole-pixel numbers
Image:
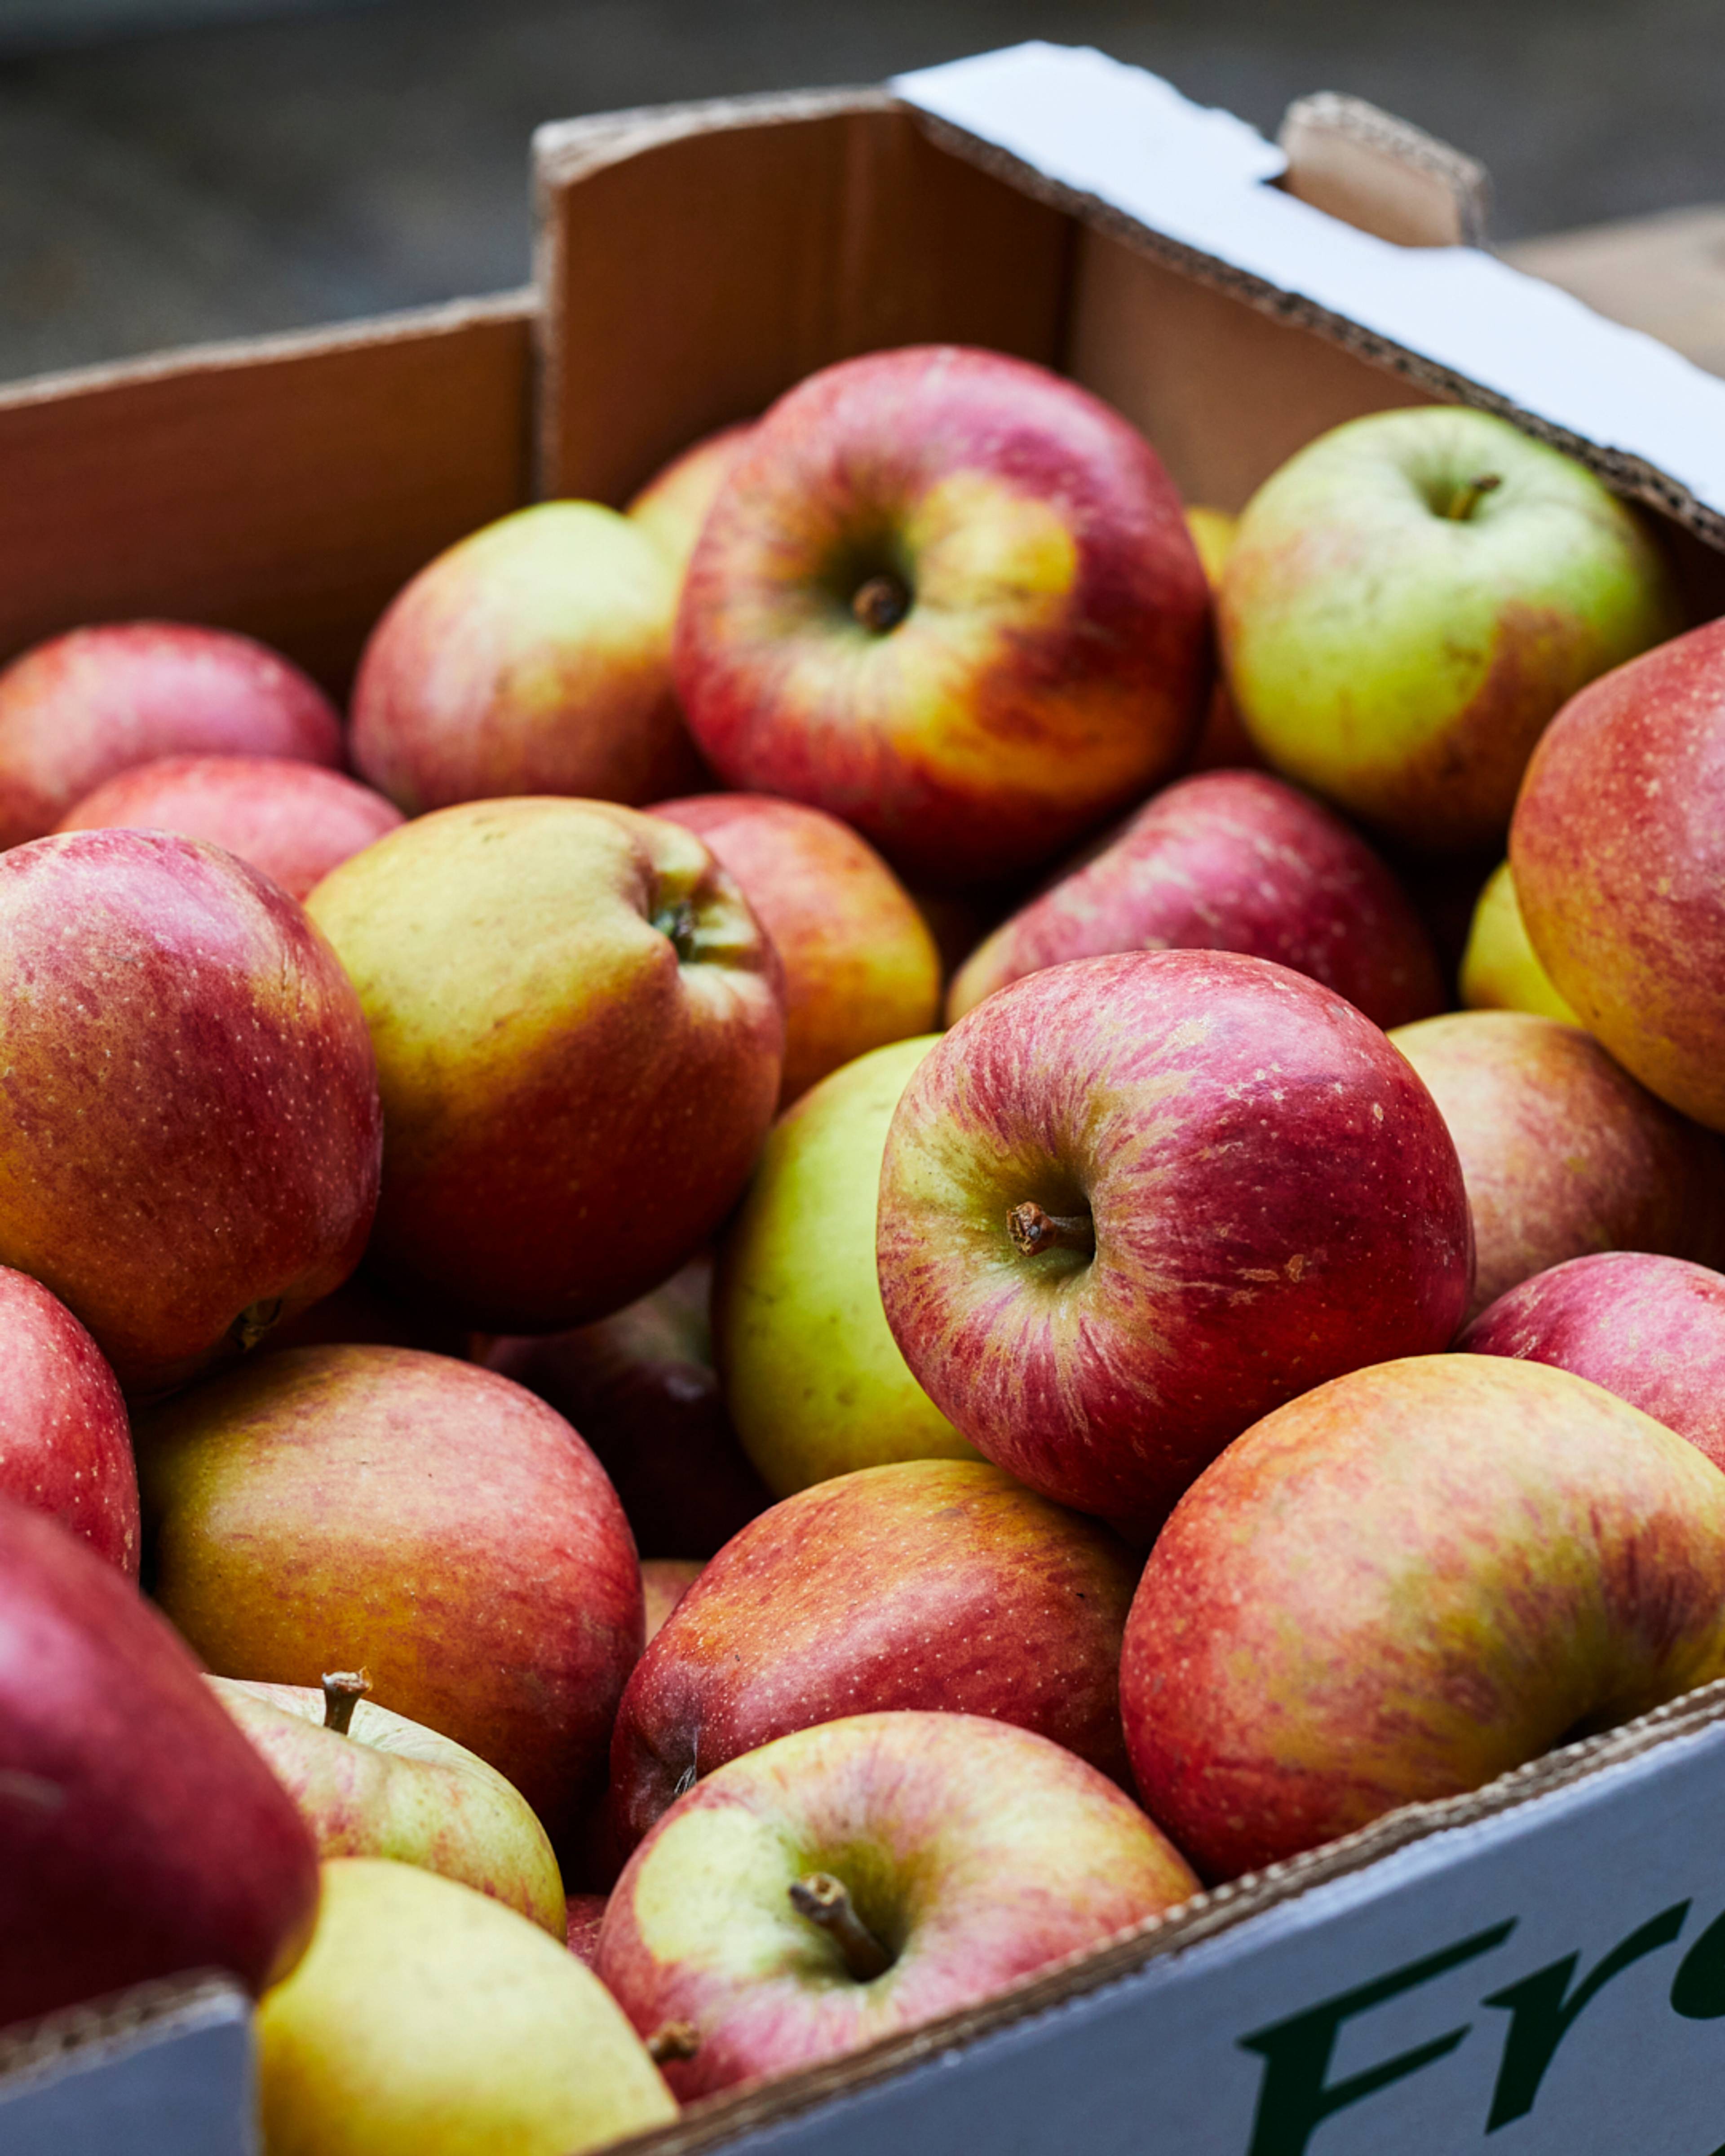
[{"x": 1500, "y": 968}]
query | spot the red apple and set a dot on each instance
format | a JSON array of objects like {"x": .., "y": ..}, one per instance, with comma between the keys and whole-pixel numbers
[
  {"x": 66, "y": 1444},
  {"x": 140, "y": 1834},
  {"x": 641, "y": 1389},
  {"x": 1618, "y": 850},
  {"x": 189, "y": 1128},
  {"x": 586, "y": 1913},
  {"x": 860, "y": 967},
  {"x": 579, "y": 1032},
  {"x": 1406, "y": 1583},
  {"x": 425, "y": 1520},
  {"x": 1650, "y": 1329},
  {"x": 1561, "y": 1152},
  {"x": 673, "y": 505},
  {"x": 931, "y": 1583},
  {"x": 944, "y": 1856},
  {"x": 1232, "y": 860},
  {"x": 531, "y": 657},
  {"x": 294, "y": 821},
  {"x": 1129, "y": 1204},
  {"x": 79, "y": 709},
  {"x": 951, "y": 599}
]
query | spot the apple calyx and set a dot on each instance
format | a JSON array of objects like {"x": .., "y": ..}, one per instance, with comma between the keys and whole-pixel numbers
[
  {"x": 342, "y": 1692},
  {"x": 1034, "y": 1230},
  {"x": 254, "y": 1322},
  {"x": 1467, "y": 499},
  {"x": 826, "y": 1902},
  {"x": 676, "y": 923},
  {"x": 675, "y": 2041},
  {"x": 882, "y": 603}
]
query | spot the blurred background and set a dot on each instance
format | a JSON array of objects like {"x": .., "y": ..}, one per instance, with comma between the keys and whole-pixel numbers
[{"x": 176, "y": 170}]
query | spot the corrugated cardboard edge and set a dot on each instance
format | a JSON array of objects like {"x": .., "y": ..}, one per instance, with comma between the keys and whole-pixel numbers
[
  {"x": 1348, "y": 156},
  {"x": 80, "y": 2038},
  {"x": 1631, "y": 476},
  {"x": 714, "y": 2121}
]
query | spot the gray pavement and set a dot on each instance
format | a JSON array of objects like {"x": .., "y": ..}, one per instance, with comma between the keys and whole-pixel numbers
[{"x": 248, "y": 176}]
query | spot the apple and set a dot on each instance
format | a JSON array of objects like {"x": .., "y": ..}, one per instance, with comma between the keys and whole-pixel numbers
[
  {"x": 531, "y": 657},
  {"x": 1230, "y": 861},
  {"x": 423, "y": 1519},
  {"x": 641, "y": 1389},
  {"x": 1561, "y": 1152},
  {"x": 864, "y": 1877},
  {"x": 189, "y": 1130},
  {"x": 950, "y": 597},
  {"x": 294, "y": 821},
  {"x": 1130, "y": 1204},
  {"x": 1620, "y": 866},
  {"x": 140, "y": 1834},
  {"x": 428, "y": 2020},
  {"x": 586, "y": 1912},
  {"x": 1500, "y": 968},
  {"x": 65, "y": 1443},
  {"x": 579, "y": 1037},
  {"x": 1412, "y": 597},
  {"x": 1649, "y": 1328},
  {"x": 862, "y": 968},
  {"x": 664, "y": 1581},
  {"x": 1223, "y": 743},
  {"x": 672, "y": 507},
  {"x": 369, "y": 1783},
  {"x": 815, "y": 1381},
  {"x": 933, "y": 1584},
  {"x": 1406, "y": 1582},
  {"x": 84, "y": 707}
]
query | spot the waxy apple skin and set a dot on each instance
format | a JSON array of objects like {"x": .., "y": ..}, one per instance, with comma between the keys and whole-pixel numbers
[
  {"x": 1618, "y": 850},
  {"x": 1561, "y": 1152},
  {"x": 140, "y": 1834},
  {"x": 65, "y": 1443},
  {"x": 376, "y": 1508},
  {"x": 390, "y": 1786},
  {"x": 531, "y": 657},
  {"x": 84, "y": 707},
  {"x": 976, "y": 1852},
  {"x": 861, "y": 968},
  {"x": 1397, "y": 642},
  {"x": 190, "y": 1135},
  {"x": 1650, "y": 1329},
  {"x": 1055, "y": 658},
  {"x": 1273, "y": 1197},
  {"x": 1404, "y": 1583},
  {"x": 294, "y": 821},
  {"x": 939, "y": 1584},
  {"x": 1231, "y": 860},
  {"x": 580, "y": 1031}
]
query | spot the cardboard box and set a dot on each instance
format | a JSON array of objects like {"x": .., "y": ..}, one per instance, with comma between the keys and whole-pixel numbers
[{"x": 1544, "y": 1959}]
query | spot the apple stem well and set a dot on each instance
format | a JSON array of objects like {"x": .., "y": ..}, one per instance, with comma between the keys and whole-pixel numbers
[
  {"x": 676, "y": 923},
  {"x": 882, "y": 603},
  {"x": 1034, "y": 1230},
  {"x": 826, "y": 1902},
  {"x": 676, "y": 2041},
  {"x": 342, "y": 1692},
  {"x": 1467, "y": 499}
]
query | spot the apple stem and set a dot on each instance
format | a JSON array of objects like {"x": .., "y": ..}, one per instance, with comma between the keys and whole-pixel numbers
[
  {"x": 882, "y": 603},
  {"x": 826, "y": 1901},
  {"x": 342, "y": 1692},
  {"x": 1463, "y": 504},
  {"x": 675, "y": 2040},
  {"x": 1032, "y": 1229}
]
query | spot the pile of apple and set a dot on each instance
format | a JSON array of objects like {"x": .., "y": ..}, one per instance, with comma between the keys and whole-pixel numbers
[{"x": 1205, "y": 1398}]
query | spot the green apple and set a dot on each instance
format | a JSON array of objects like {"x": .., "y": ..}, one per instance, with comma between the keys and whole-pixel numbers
[
  {"x": 369, "y": 1783},
  {"x": 428, "y": 2020},
  {"x": 1500, "y": 968},
  {"x": 813, "y": 1379},
  {"x": 1413, "y": 597}
]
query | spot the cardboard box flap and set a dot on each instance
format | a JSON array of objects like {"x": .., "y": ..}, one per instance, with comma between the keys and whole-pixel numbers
[{"x": 1098, "y": 134}]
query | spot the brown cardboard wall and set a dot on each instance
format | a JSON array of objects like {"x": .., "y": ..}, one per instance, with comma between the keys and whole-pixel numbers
[{"x": 286, "y": 487}]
